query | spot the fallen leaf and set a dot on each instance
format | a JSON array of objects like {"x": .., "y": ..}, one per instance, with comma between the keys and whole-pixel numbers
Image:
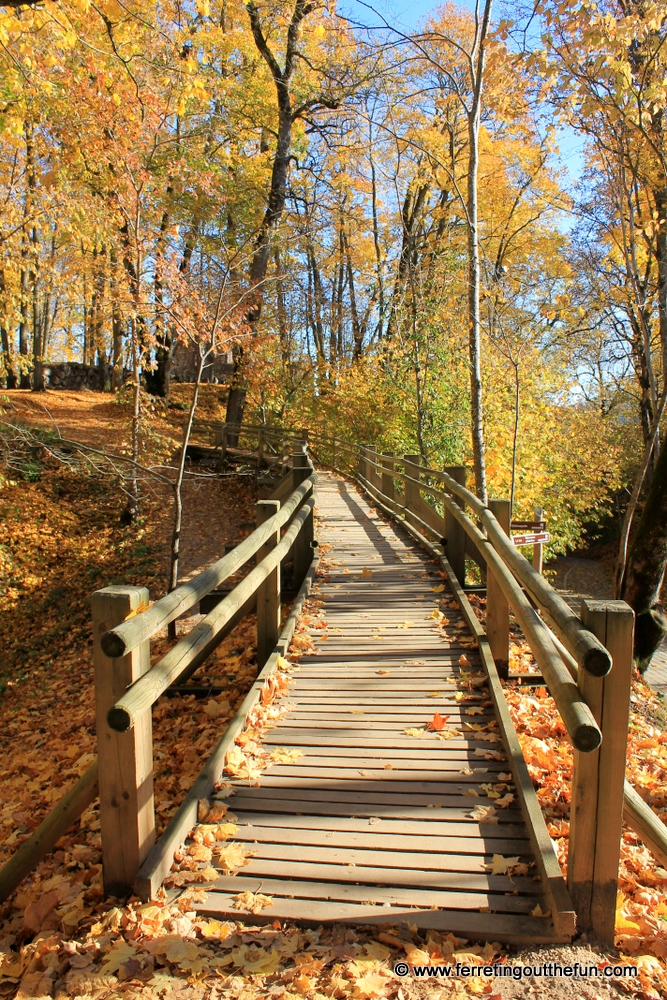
[
  {"x": 484, "y": 814},
  {"x": 415, "y": 733},
  {"x": 252, "y": 902},
  {"x": 233, "y": 856},
  {"x": 366, "y": 572},
  {"x": 438, "y": 722},
  {"x": 500, "y": 865},
  {"x": 285, "y": 755}
]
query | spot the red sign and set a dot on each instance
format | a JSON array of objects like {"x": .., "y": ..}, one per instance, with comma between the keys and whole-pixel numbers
[{"x": 534, "y": 538}]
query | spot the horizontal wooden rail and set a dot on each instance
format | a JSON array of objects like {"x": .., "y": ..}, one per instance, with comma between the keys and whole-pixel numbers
[
  {"x": 585, "y": 647},
  {"x": 125, "y": 637},
  {"x": 49, "y": 832},
  {"x": 144, "y": 692}
]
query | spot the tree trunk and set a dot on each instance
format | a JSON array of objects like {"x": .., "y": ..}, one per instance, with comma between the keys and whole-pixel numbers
[
  {"x": 646, "y": 566},
  {"x": 235, "y": 407}
]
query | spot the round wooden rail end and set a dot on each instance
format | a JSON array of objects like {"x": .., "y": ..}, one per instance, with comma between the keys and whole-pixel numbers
[
  {"x": 597, "y": 662},
  {"x": 586, "y": 738},
  {"x": 112, "y": 645},
  {"x": 119, "y": 720}
]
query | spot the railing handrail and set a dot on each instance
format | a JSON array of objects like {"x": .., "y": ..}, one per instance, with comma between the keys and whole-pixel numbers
[
  {"x": 145, "y": 691},
  {"x": 129, "y": 635},
  {"x": 584, "y": 646}
]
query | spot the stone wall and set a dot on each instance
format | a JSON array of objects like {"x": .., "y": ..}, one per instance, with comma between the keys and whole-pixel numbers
[
  {"x": 71, "y": 375},
  {"x": 184, "y": 366}
]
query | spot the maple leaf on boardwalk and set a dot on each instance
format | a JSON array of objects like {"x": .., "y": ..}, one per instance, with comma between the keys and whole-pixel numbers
[
  {"x": 415, "y": 733},
  {"x": 252, "y": 902},
  {"x": 438, "y": 722},
  {"x": 484, "y": 814},
  {"x": 233, "y": 856},
  {"x": 500, "y": 865},
  {"x": 284, "y": 755},
  {"x": 366, "y": 571}
]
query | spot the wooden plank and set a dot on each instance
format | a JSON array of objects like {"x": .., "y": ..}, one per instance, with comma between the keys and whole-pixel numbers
[
  {"x": 476, "y": 848},
  {"x": 412, "y": 887},
  {"x": 370, "y": 804},
  {"x": 411, "y": 768},
  {"x": 342, "y": 887},
  {"x": 383, "y": 832},
  {"x": 510, "y": 928}
]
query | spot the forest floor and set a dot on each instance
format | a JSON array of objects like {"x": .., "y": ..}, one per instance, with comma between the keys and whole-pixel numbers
[{"x": 60, "y": 538}]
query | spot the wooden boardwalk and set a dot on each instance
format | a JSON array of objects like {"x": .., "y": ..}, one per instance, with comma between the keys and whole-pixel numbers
[{"x": 372, "y": 824}]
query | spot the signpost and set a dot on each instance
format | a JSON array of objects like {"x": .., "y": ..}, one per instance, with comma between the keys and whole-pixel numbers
[
  {"x": 533, "y": 538},
  {"x": 532, "y": 533}
]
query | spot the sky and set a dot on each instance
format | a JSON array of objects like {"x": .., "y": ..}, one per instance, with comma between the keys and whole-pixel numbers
[{"x": 408, "y": 14}]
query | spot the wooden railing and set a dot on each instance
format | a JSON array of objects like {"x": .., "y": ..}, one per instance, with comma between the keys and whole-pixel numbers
[
  {"x": 126, "y": 687},
  {"x": 574, "y": 654}
]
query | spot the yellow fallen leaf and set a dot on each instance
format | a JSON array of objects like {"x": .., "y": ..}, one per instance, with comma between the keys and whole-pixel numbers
[
  {"x": 256, "y": 961},
  {"x": 284, "y": 755},
  {"x": 366, "y": 571},
  {"x": 439, "y": 589},
  {"x": 484, "y": 814},
  {"x": 120, "y": 953},
  {"x": 539, "y": 912},
  {"x": 233, "y": 856},
  {"x": 415, "y": 733},
  {"x": 500, "y": 865},
  {"x": 209, "y": 927},
  {"x": 252, "y": 902},
  {"x": 144, "y": 606},
  {"x": 505, "y": 801}
]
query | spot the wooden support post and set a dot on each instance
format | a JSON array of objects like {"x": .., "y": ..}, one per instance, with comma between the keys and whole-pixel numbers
[
  {"x": 455, "y": 544},
  {"x": 125, "y": 760},
  {"x": 538, "y": 549},
  {"x": 596, "y": 813},
  {"x": 497, "y": 606},
  {"x": 372, "y": 474},
  {"x": 303, "y": 549},
  {"x": 268, "y": 593},
  {"x": 387, "y": 479},
  {"x": 412, "y": 495}
]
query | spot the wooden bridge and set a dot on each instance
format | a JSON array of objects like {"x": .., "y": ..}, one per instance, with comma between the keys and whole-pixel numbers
[{"x": 402, "y": 793}]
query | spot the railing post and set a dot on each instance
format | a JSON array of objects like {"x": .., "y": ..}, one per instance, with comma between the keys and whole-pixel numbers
[
  {"x": 538, "y": 549},
  {"x": 387, "y": 482},
  {"x": 372, "y": 474},
  {"x": 412, "y": 495},
  {"x": 497, "y": 606},
  {"x": 125, "y": 760},
  {"x": 268, "y": 593},
  {"x": 303, "y": 549},
  {"x": 455, "y": 536},
  {"x": 596, "y": 812}
]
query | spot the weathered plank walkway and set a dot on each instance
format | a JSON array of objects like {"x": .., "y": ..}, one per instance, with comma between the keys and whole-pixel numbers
[{"x": 370, "y": 824}]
